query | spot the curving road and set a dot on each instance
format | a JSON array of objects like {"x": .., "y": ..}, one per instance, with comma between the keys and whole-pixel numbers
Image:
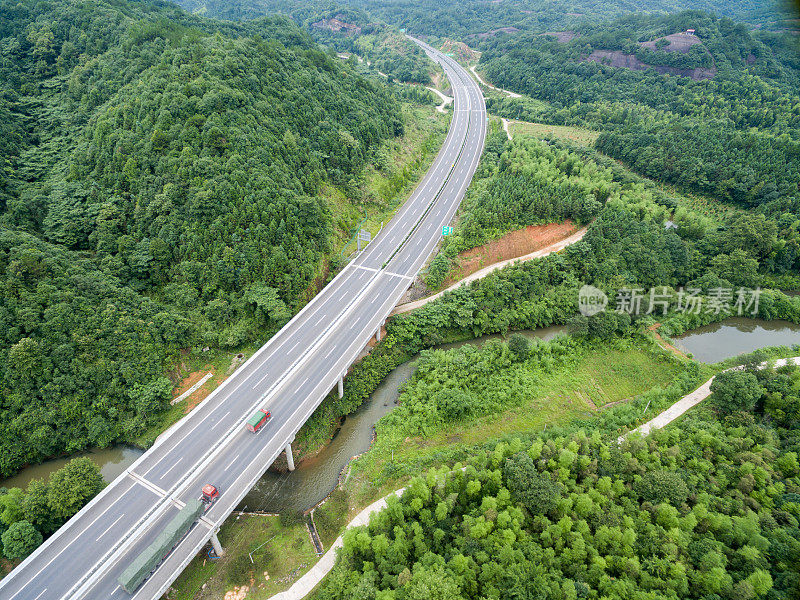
[{"x": 290, "y": 376}]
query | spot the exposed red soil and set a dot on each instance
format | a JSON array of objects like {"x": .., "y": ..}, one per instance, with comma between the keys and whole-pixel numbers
[
  {"x": 441, "y": 83},
  {"x": 512, "y": 245},
  {"x": 461, "y": 50},
  {"x": 618, "y": 59},
  {"x": 678, "y": 42},
  {"x": 189, "y": 381},
  {"x": 372, "y": 342},
  {"x": 562, "y": 36},
  {"x": 664, "y": 344},
  {"x": 338, "y": 25},
  {"x": 199, "y": 395}
]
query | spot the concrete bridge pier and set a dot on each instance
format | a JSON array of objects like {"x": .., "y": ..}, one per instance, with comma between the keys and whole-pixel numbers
[
  {"x": 218, "y": 549},
  {"x": 378, "y": 332},
  {"x": 289, "y": 455}
]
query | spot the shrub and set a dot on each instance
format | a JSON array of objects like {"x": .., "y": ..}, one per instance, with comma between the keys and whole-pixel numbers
[
  {"x": 539, "y": 494},
  {"x": 735, "y": 390},
  {"x": 662, "y": 486}
]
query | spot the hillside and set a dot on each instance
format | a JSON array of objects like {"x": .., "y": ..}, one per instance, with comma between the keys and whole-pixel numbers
[
  {"x": 459, "y": 18},
  {"x": 704, "y": 510},
  {"x": 345, "y": 28},
  {"x": 732, "y": 134},
  {"x": 161, "y": 189}
]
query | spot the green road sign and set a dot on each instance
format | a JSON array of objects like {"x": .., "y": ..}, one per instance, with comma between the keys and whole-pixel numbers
[{"x": 446, "y": 230}]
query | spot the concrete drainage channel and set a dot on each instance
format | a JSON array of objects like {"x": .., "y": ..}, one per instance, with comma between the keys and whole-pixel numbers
[{"x": 312, "y": 531}]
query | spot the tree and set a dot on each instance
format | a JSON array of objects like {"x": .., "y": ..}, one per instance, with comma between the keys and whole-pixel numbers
[
  {"x": 20, "y": 540},
  {"x": 736, "y": 267},
  {"x": 73, "y": 486},
  {"x": 519, "y": 346},
  {"x": 735, "y": 390},
  {"x": 432, "y": 584},
  {"x": 150, "y": 398},
  {"x": 662, "y": 486},
  {"x": 538, "y": 493},
  {"x": 754, "y": 234},
  {"x": 35, "y": 507},
  {"x": 270, "y": 308},
  {"x": 454, "y": 403},
  {"x": 11, "y": 506}
]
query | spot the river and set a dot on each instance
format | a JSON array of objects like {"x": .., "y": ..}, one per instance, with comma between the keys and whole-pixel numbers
[
  {"x": 112, "y": 462},
  {"x": 315, "y": 478},
  {"x": 736, "y": 335}
]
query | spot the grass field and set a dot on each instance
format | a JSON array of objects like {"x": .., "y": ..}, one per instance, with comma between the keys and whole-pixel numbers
[
  {"x": 599, "y": 378},
  {"x": 584, "y": 137},
  {"x": 332, "y": 516},
  {"x": 281, "y": 553}
]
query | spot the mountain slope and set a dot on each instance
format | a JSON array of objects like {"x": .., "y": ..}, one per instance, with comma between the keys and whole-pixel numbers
[{"x": 160, "y": 189}]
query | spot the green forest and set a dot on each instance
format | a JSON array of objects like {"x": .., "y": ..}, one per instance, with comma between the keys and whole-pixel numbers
[
  {"x": 705, "y": 510},
  {"x": 160, "y": 190},
  {"x": 462, "y": 18},
  {"x": 731, "y": 134},
  {"x": 528, "y": 181}
]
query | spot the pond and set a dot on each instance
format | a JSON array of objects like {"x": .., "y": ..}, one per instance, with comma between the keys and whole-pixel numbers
[
  {"x": 735, "y": 336},
  {"x": 316, "y": 477},
  {"x": 112, "y": 462}
]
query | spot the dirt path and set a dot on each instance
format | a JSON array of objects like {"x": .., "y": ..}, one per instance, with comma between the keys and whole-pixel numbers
[
  {"x": 664, "y": 344},
  {"x": 491, "y": 87},
  {"x": 445, "y": 99},
  {"x": 506, "y": 124},
  {"x": 514, "y": 244},
  {"x": 688, "y": 401},
  {"x": 554, "y": 247}
]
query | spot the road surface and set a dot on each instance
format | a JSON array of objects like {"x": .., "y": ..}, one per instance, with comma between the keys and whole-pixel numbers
[{"x": 290, "y": 376}]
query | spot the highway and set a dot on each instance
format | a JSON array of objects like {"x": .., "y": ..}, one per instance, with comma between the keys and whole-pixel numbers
[{"x": 290, "y": 376}]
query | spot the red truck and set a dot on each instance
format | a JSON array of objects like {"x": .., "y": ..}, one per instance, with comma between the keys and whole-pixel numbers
[
  {"x": 258, "y": 420},
  {"x": 210, "y": 493}
]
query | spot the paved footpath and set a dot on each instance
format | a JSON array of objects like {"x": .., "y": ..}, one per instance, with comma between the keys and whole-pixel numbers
[
  {"x": 690, "y": 400},
  {"x": 541, "y": 253},
  {"x": 303, "y": 586}
]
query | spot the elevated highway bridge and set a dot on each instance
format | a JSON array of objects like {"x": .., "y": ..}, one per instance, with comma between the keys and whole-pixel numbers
[{"x": 289, "y": 376}]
